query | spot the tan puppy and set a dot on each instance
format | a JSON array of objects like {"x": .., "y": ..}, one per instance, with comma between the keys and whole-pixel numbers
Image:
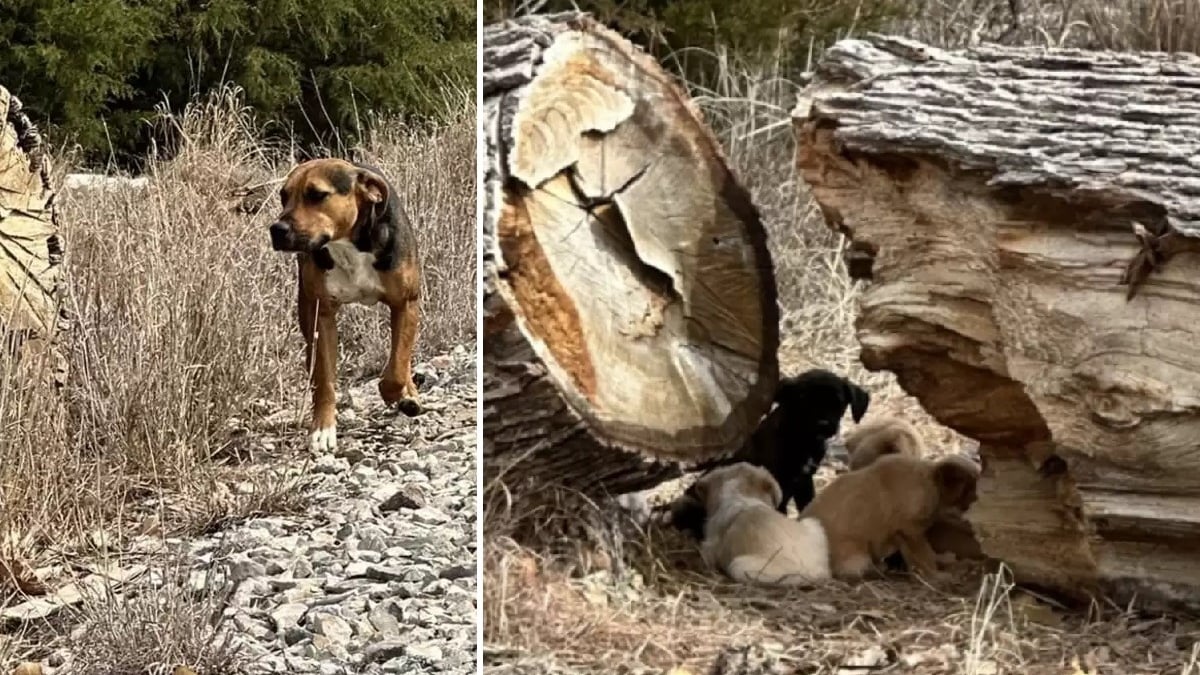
[
  {"x": 747, "y": 538},
  {"x": 882, "y": 436},
  {"x": 355, "y": 245},
  {"x": 869, "y": 513}
]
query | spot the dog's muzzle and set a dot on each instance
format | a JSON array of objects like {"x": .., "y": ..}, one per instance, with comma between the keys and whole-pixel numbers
[
  {"x": 281, "y": 236},
  {"x": 285, "y": 238},
  {"x": 825, "y": 429}
]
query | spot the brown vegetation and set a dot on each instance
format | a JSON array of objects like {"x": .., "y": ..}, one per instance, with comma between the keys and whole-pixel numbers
[{"x": 185, "y": 357}]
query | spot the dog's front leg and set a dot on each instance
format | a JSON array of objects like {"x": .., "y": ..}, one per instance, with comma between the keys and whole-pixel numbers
[
  {"x": 396, "y": 386},
  {"x": 318, "y": 324},
  {"x": 917, "y": 552}
]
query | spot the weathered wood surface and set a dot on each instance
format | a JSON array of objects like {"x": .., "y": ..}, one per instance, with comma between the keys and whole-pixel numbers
[
  {"x": 991, "y": 195},
  {"x": 30, "y": 248},
  {"x": 630, "y": 318}
]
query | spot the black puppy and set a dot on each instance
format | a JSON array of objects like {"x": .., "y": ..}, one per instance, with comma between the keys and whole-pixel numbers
[{"x": 789, "y": 442}]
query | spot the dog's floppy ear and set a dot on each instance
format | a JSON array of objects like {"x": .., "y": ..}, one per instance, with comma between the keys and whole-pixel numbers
[
  {"x": 371, "y": 186},
  {"x": 859, "y": 400},
  {"x": 762, "y": 482},
  {"x": 371, "y": 233}
]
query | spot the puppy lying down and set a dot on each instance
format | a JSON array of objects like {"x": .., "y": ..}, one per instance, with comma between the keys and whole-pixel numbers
[
  {"x": 889, "y": 505},
  {"x": 748, "y": 539}
]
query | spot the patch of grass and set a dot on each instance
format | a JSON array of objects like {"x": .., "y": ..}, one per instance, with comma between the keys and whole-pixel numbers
[{"x": 160, "y": 626}]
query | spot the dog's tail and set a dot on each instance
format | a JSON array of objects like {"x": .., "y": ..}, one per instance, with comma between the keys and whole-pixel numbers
[{"x": 889, "y": 436}]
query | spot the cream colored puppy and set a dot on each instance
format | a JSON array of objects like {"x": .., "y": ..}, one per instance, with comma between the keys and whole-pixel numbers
[{"x": 748, "y": 539}]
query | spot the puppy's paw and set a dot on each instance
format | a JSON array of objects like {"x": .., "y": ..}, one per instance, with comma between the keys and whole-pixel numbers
[{"x": 323, "y": 440}]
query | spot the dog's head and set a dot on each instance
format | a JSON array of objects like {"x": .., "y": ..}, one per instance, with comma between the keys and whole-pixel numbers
[
  {"x": 736, "y": 480},
  {"x": 323, "y": 200},
  {"x": 817, "y": 399},
  {"x": 956, "y": 478}
]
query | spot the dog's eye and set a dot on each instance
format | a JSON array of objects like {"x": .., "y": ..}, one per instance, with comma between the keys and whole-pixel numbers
[
  {"x": 315, "y": 196},
  {"x": 283, "y": 197}
]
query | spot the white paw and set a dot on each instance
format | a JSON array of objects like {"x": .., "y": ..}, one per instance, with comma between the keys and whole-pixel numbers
[{"x": 323, "y": 440}]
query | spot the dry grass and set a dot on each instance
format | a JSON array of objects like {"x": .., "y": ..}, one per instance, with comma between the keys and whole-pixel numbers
[
  {"x": 628, "y": 599},
  {"x": 184, "y": 340},
  {"x": 162, "y": 625},
  {"x": 603, "y": 597}
]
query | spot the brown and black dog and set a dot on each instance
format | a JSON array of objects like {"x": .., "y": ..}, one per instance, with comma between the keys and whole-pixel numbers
[{"x": 355, "y": 245}]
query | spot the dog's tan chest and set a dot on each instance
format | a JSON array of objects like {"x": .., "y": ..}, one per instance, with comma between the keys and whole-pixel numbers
[{"x": 353, "y": 278}]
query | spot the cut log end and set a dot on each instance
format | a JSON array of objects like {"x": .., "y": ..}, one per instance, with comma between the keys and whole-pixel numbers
[
  {"x": 633, "y": 267},
  {"x": 30, "y": 248}
]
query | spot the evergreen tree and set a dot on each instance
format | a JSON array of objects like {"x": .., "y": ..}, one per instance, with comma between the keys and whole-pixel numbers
[{"x": 96, "y": 69}]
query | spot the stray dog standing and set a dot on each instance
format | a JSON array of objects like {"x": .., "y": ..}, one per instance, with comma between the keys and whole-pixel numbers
[
  {"x": 882, "y": 436},
  {"x": 355, "y": 245},
  {"x": 749, "y": 540},
  {"x": 890, "y": 504},
  {"x": 789, "y": 442}
]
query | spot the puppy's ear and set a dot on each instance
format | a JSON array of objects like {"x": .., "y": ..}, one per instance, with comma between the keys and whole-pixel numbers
[
  {"x": 956, "y": 482},
  {"x": 762, "y": 482},
  {"x": 859, "y": 400}
]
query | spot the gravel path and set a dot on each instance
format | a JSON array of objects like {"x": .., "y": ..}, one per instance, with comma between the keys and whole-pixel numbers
[{"x": 379, "y": 576}]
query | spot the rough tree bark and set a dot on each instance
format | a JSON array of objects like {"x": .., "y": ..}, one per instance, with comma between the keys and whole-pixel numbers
[
  {"x": 30, "y": 248},
  {"x": 630, "y": 318},
  {"x": 1006, "y": 205}
]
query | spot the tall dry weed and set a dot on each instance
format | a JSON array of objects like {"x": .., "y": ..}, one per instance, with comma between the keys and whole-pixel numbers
[{"x": 184, "y": 319}]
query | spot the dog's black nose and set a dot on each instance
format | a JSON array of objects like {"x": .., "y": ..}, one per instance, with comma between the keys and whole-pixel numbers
[{"x": 280, "y": 232}]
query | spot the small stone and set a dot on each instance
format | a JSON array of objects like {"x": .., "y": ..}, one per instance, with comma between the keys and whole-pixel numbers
[
  {"x": 430, "y": 516},
  {"x": 353, "y": 454},
  {"x": 404, "y": 498},
  {"x": 295, "y": 635},
  {"x": 383, "y": 650},
  {"x": 330, "y": 465},
  {"x": 333, "y": 627},
  {"x": 241, "y": 567},
  {"x": 386, "y": 617},
  {"x": 457, "y": 572},
  {"x": 288, "y": 615},
  {"x": 429, "y": 653}
]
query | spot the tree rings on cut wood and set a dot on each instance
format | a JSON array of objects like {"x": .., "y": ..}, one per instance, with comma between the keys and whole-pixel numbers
[{"x": 626, "y": 271}]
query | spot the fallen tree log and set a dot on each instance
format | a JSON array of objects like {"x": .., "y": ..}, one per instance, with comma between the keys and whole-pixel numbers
[
  {"x": 630, "y": 317},
  {"x": 30, "y": 248},
  {"x": 1029, "y": 220}
]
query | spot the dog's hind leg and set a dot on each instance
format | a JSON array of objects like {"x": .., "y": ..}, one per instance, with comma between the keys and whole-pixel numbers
[
  {"x": 850, "y": 560},
  {"x": 318, "y": 325},
  {"x": 396, "y": 387}
]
